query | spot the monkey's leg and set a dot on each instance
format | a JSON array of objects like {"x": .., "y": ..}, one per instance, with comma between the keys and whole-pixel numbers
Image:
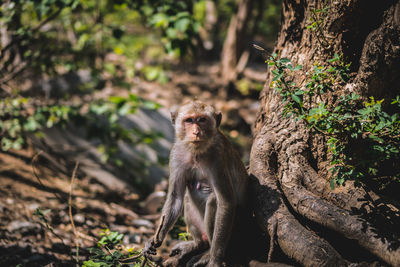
[
  {"x": 183, "y": 251},
  {"x": 209, "y": 218}
]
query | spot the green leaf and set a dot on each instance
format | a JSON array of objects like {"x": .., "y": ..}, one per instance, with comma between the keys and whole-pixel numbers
[
  {"x": 31, "y": 124},
  {"x": 182, "y": 24},
  {"x": 124, "y": 109},
  {"x": 159, "y": 20},
  {"x": 275, "y": 72},
  {"x": 297, "y": 99},
  {"x": 151, "y": 105},
  {"x": 91, "y": 263},
  {"x": 298, "y": 67},
  {"x": 97, "y": 251},
  {"x": 332, "y": 184},
  {"x": 364, "y": 111},
  {"x": 152, "y": 73},
  {"x": 172, "y": 33},
  {"x": 299, "y": 92},
  {"x": 277, "y": 77},
  {"x": 284, "y": 60},
  {"x": 117, "y": 99},
  {"x": 380, "y": 126}
]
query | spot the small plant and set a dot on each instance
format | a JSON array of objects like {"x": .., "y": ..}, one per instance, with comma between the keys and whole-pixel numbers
[
  {"x": 363, "y": 139},
  {"x": 44, "y": 221},
  {"x": 184, "y": 236},
  {"x": 178, "y": 231},
  {"x": 110, "y": 252}
]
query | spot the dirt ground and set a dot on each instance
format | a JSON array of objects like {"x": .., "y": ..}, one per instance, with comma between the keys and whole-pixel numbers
[
  {"x": 34, "y": 240},
  {"x": 35, "y": 221}
]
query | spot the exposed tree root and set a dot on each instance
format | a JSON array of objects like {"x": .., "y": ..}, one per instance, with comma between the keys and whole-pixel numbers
[
  {"x": 335, "y": 218},
  {"x": 294, "y": 239},
  {"x": 348, "y": 196}
]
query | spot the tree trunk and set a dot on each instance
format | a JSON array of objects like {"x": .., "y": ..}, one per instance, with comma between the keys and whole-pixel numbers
[
  {"x": 235, "y": 40},
  {"x": 309, "y": 222}
]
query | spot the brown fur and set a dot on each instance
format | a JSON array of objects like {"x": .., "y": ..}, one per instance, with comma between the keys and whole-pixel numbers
[{"x": 206, "y": 174}]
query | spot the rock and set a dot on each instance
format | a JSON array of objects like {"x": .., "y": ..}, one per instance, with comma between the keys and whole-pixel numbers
[
  {"x": 79, "y": 219},
  {"x": 123, "y": 211},
  {"x": 119, "y": 228},
  {"x": 33, "y": 206},
  {"x": 132, "y": 238},
  {"x": 154, "y": 202},
  {"x": 24, "y": 227},
  {"x": 162, "y": 186},
  {"x": 141, "y": 222}
]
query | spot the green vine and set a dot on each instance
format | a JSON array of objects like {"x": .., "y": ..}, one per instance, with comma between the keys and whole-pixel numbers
[
  {"x": 317, "y": 21},
  {"x": 363, "y": 138}
]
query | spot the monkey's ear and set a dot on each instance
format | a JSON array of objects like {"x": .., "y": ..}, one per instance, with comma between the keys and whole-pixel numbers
[
  {"x": 218, "y": 117},
  {"x": 174, "y": 113}
]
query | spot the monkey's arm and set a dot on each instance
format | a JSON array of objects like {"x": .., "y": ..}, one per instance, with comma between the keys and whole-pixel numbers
[
  {"x": 174, "y": 203},
  {"x": 171, "y": 210},
  {"x": 224, "y": 219}
]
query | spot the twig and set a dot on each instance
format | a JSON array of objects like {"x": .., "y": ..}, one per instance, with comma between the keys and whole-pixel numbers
[
  {"x": 38, "y": 212},
  {"x": 34, "y": 159},
  {"x": 133, "y": 257},
  {"x": 109, "y": 250},
  {"x": 76, "y": 234}
]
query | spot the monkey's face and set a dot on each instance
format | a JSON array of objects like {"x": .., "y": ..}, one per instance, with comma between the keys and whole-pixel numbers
[
  {"x": 196, "y": 123},
  {"x": 198, "y": 128}
]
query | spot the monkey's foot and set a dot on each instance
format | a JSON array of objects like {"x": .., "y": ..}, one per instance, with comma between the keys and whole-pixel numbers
[
  {"x": 171, "y": 262},
  {"x": 183, "y": 251},
  {"x": 200, "y": 260}
]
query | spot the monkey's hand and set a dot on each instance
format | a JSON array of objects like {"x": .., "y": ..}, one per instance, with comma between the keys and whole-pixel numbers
[{"x": 150, "y": 247}]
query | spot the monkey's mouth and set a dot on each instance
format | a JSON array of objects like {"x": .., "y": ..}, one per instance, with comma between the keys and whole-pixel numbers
[{"x": 197, "y": 141}]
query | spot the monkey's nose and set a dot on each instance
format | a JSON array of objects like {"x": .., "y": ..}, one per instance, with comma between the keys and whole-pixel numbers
[{"x": 196, "y": 131}]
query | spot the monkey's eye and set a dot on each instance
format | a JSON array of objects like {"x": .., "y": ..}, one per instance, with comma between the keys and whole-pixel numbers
[
  {"x": 189, "y": 120},
  {"x": 202, "y": 119}
]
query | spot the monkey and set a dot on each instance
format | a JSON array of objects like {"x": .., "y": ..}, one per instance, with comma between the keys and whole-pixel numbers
[{"x": 209, "y": 179}]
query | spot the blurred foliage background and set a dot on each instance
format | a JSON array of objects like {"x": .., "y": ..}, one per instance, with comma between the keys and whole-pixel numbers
[{"x": 59, "y": 59}]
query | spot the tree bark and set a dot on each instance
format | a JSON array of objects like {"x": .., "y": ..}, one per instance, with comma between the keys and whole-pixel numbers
[{"x": 311, "y": 223}]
